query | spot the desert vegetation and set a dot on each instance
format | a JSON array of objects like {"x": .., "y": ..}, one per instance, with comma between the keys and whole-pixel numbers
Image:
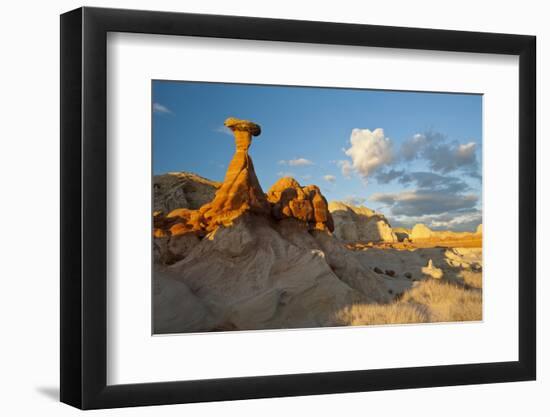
[{"x": 430, "y": 301}]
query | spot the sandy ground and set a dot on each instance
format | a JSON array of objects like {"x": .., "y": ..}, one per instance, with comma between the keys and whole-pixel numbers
[{"x": 430, "y": 283}]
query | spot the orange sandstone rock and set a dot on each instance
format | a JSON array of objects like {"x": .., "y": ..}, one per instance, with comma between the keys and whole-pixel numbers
[
  {"x": 241, "y": 190},
  {"x": 185, "y": 221},
  {"x": 158, "y": 233},
  {"x": 289, "y": 200}
]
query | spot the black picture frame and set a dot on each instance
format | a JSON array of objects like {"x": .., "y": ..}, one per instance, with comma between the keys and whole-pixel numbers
[{"x": 84, "y": 207}]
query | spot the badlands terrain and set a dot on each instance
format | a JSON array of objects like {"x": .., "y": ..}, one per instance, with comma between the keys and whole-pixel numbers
[{"x": 229, "y": 256}]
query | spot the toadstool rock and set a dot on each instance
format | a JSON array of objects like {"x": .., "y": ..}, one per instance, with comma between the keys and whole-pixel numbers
[{"x": 240, "y": 191}]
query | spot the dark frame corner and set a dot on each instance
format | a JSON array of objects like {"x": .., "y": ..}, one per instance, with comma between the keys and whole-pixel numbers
[{"x": 83, "y": 207}]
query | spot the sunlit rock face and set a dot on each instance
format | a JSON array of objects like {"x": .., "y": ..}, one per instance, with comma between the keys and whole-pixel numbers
[
  {"x": 290, "y": 200},
  {"x": 181, "y": 190},
  {"x": 240, "y": 191},
  {"x": 422, "y": 233},
  {"x": 360, "y": 224}
]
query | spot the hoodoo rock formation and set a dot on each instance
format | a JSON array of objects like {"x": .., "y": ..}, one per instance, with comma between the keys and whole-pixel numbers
[
  {"x": 247, "y": 260},
  {"x": 241, "y": 190}
]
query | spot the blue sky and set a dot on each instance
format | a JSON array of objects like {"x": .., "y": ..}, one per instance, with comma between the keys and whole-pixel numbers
[{"x": 416, "y": 157}]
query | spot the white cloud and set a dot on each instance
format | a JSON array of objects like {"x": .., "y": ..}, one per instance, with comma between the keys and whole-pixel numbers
[
  {"x": 159, "y": 108},
  {"x": 298, "y": 162},
  {"x": 330, "y": 178},
  {"x": 466, "y": 150},
  {"x": 468, "y": 221},
  {"x": 368, "y": 152},
  {"x": 346, "y": 167}
]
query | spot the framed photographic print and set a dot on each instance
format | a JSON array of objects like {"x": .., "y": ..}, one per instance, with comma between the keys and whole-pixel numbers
[{"x": 258, "y": 208}]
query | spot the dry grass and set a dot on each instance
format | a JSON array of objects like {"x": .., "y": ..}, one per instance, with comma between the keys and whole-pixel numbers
[
  {"x": 473, "y": 279},
  {"x": 430, "y": 301},
  {"x": 446, "y": 301},
  {"x": 370, "y": 314}
]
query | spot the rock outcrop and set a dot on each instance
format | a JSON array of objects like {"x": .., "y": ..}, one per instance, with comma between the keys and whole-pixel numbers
[
  {"x": 422, "y": 233},
  {"x": 290, "y": 200},
  {"x": 251, "y": 275},
  {"x": 247, "y": 260},
  {"x": 360, "y": 224},
  {"x": 432, "y": 271},
  {"x": 181, "y": 190},
  {"x": 401, "y": 233},
  {"x": 241, "y": 191}
]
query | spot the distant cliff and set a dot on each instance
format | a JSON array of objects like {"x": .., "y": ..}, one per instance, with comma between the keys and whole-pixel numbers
[{"x": 360, "y": 224}]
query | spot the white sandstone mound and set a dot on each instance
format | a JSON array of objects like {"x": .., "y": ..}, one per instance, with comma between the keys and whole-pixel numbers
[
  {"x": 360, "y": 224},
  {"x": 420, "y": 232},
  {"x": 253, "y": 275},
  {"x": 176, "y": 309},
  {"x": 176, "y": 190}
]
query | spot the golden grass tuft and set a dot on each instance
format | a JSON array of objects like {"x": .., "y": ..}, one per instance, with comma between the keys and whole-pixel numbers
[
  {"x": 446, "y": 301},
  {"x": 429, "y": 302},
  {"x": 473, "y": 279},
  {"x": 371, "y": 314}
]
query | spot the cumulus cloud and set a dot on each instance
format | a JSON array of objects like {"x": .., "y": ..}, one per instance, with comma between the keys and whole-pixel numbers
[
  {"x": 159, "y": 108},
  {"x": 422, "y": 202},
  {"x": 285, "y": 174},
  {"x": 369, "y": 151},
  {"x": 442, "y": 156},
  {"x": 298, "y": 162},
  {"x": 412, "y": 148},
  {"x": 446, "y": 158},
  {"x": 433, "y": 171},
  {"x": 330, "y": 178},
  {"x": 346, "y": 168}
]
